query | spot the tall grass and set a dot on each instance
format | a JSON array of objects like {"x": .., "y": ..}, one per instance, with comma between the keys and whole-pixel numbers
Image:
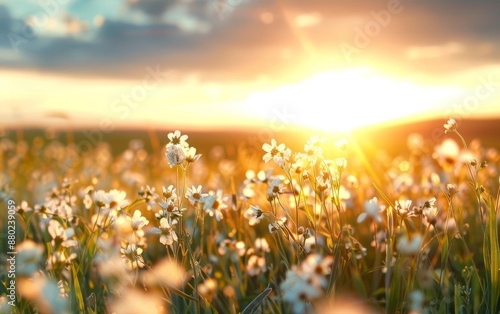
[{"x": 307, "y": 232}]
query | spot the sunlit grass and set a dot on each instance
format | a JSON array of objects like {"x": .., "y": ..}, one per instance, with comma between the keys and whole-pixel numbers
[{"x": 325, "y": 228}]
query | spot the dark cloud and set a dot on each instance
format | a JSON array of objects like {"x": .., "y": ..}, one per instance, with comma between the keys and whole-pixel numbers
[
  {"x": 5, "y": 18},
  {"x": 119, "y": 49},
  {"x": 127, "y": 34},
  {"x": 240, "y": 46},
  {"x": 153, "y": 8},
  {"x": 5, "y": 25}
]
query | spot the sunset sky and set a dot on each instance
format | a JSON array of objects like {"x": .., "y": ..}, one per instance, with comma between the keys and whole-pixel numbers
[{"x": 237, "y": 63}]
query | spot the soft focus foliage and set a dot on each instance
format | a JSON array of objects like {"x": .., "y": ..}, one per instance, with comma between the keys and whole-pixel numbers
[{"x": 320, "y": 230}]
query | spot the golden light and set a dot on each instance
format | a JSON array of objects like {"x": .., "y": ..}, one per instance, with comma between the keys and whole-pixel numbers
[{"x": 348, "y": 99}]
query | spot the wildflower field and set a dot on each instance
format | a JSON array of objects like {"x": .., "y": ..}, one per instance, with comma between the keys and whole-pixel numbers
[{"x": 322, "y": 228}]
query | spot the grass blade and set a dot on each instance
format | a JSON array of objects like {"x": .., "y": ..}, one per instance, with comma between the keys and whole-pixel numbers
[
  {"x": 396, "y": 290},
  {"x": 77, "y": 289},
  {"x": 494, "y": 257},
  {"x": 256, "y": 302},
  {"x": 458, "y": 301}
]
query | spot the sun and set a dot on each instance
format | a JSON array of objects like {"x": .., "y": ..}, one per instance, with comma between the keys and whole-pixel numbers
[{"x": 348, "y": 99}]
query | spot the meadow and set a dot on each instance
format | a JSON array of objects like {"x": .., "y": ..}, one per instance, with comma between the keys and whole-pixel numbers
[{"x": 181, "y": 223}]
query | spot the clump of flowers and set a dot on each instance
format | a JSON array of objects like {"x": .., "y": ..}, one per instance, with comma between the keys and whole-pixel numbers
[
  {"x": 195, "y": 195},
  {"x": 254, "y": 215},
  {"x": 306, "y": 283},
  {"x": 178, "y": 151},
  {"x": 409, "y": 245},
  {"x": 213, "y": 204},
  {"x": 29, "y": 255},
  {"x": 430, "y": 219},
  {"x": 372, "y": 210},
  {"x": 132, "y": 256},
  {"x": 168, "y": 235},
  {"x": 279, "y": 153},
  {"x": 149, "y": 195},
  {"x": 450, "y": 126},
  {"x": 61, "y": 241},
  {"x": 168, "y": 216}
]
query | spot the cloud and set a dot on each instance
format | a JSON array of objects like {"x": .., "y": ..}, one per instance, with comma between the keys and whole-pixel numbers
[
  {"x": 267, "y": 38},
  {"x": 436, "y": 51},
  {"x": 5, "y": 18},
  {"x": 5, "y": 25},
  {"x": 153, "y": 8},
  {"x": 119, "y": 49},
  {"x": 125, "y": 33}
]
